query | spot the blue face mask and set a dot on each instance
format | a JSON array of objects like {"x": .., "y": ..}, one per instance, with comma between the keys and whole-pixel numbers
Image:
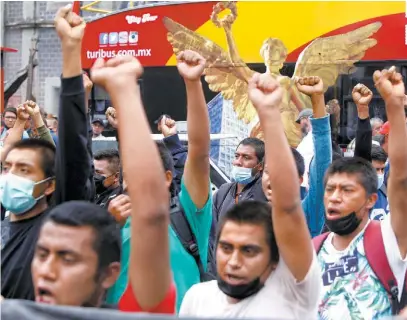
[
  {"x": 242, "y": 175},
  {"x": 380, "y": 180},
  {"x": 16, "y": 193}
]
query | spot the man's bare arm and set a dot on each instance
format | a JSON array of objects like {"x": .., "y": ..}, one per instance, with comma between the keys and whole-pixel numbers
[
  {"x": 149, "y": 271},
  {"x": 196, "y": 173},
  {"x": 290, "y": 228},
  {"x": 390, "y": 85}
]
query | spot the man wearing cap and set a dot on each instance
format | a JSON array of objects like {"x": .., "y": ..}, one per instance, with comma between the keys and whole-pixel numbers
[
  {"x": 97, "y": 128},
  {"x": 306, "y": 146}
]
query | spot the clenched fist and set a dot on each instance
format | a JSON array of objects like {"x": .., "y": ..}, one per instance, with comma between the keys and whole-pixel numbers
[
  {"x": 390, "y": 85},
  {"x": 69, "y": 26},
  {"x": 362, "y": 96},
  {"x": 167, "y": 126},
  {"x": 32, "y": 108},
  {"x": 310, "y": 85},
  {"x": 265, "y": 92},
  {"x": 190, "y": 65},
  {"x": 23, "y": 112},
  {"x": 117, "y": 72},
  {"x": 120, "y": 208},
  {"x": 112, "y": 117}
]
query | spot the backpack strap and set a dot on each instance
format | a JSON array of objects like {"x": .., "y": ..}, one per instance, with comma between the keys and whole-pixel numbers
[
  {"x": 318, "y": 241},
  {"x": 377, "y": 258},
  {"x": 183, "y": 230}
]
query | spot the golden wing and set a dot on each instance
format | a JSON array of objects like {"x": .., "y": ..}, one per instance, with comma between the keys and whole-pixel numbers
[
  {"x": 331, "y": 56},
  {"x": 232, "y": 88},
  {"x": 221, "y": 73},
  {"x": 181, "y": 38}
]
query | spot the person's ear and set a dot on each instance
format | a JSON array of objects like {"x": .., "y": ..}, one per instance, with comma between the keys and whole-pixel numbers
[
  {"x": 371, "y": 200},
  {"x": 110, "y": 275},
  {"x": 168, "y": 178},
  {"x": 50, "y": 188}
]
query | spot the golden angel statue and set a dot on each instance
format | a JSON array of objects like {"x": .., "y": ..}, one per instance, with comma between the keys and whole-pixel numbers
[{"x": 227, "y": 73}]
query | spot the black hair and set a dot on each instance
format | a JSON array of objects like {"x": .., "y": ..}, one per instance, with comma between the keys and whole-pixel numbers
[
  {"x": 45, "y": 149},
  {"x": 299, "y": 162},
  {"x": 378, "y": 154},
  {"x": 256, "y": 213},
  {"x": 107, "y": 242},
  {"x": 10, "y": 109},
  {"x": 257, "y": 145},
  {"x": 112, "y": 156},
  {"x": 359, "y": 167}
]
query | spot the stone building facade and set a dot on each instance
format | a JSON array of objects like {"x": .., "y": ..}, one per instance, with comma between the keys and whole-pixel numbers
[{"x": 19, "y": 22}]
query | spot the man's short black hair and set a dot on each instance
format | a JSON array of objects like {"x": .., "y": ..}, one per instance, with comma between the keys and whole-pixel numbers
[
  {"x": 166, "y": 156},
  {"x": 107, "y": 243},
  {"x": 257, "y": 145},
  {"x": 299, "y": 162},
  {"x": 45, "y": 149},
  {"x": 255, "y": 213},
  {"x": 378, "y": 154},
  {"x": 112, "y": 156},
  {"x": 10, "y": 109},
  {"x": 359, "y": 167}
]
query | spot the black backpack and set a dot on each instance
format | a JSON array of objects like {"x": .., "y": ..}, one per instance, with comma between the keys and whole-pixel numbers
[{"x": 183, "y": 230}]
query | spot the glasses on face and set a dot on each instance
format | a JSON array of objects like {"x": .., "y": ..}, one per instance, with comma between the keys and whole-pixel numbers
[{"x": 10, "y": 118}]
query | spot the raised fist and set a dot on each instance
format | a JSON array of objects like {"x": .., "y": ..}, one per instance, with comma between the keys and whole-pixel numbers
[
  {"x": 120, "y": 208},
  {"x": 265, "y": 92},
  {"x": 69, "y": 26},
  {"x": 390, "y": 85},
  {"x": 23, "y": 112},
  {"x": 117, "y": 72},
  {"x": 112, "y": 117},
  {"x": 310, "y": 85},
  {"x": 167, "y": 126},
  {"x": 190, "y": 65},
  {"x": 362, "y": 96}
]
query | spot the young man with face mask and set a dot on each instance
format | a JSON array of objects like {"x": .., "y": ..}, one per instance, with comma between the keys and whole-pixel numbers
[
  {"x": 194, "y": 197},
  {"x": 32, "y": 170},
  {"x": 107, "y": 174},
  {"x": 266, "y": 266},
  {"x": 351, "y": 186},
  {"x": 381, "y": 207}
]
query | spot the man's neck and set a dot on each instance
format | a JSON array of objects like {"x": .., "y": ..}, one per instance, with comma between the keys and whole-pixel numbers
[
  {"x": 340, "y": 243},
  {"x": 239, "y": 188},
  {"x": 39, "y": 208}
]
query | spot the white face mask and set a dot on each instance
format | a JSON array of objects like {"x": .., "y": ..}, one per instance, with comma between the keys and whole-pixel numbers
[{"x": 380, "y": 180}]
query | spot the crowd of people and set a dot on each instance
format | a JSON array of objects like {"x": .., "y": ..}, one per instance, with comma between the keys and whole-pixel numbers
[{"x": 139, "y": 230}]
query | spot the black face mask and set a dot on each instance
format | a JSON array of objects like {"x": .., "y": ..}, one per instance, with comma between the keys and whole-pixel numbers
[
  {"x": 345, "y": 225},
  {"x": 240, "y": 291},
  {"x": 99, "y": 183}
]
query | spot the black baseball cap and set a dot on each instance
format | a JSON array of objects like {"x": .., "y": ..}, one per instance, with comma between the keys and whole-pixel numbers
[
  {"x": 160, "y": 118},
  {"x": 100, "y": 121}
]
